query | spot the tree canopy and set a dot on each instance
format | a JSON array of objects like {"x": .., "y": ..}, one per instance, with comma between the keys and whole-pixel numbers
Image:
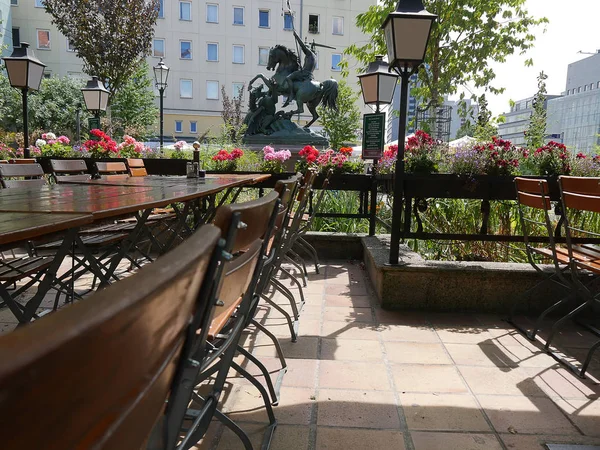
[
  {"x": 467, "y": 36},
  {"x": 342, "y": 124},
  {"x": 110, "y": 36},
  {"x": 133, "y": 109}
]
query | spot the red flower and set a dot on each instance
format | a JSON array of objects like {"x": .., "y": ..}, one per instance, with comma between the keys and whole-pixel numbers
[
  {"x": 346, "y": 150},
  {"x": 581, "y": 156},
  {"x": 237, "y": 153}
]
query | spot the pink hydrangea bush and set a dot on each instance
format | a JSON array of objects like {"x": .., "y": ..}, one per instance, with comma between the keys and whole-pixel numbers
[{"x": 274, "y": 161}]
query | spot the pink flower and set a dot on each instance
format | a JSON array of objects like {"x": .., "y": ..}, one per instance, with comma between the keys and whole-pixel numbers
[
  {"x": 64, "y": 140},
  {"x": 267, "y": 149}
]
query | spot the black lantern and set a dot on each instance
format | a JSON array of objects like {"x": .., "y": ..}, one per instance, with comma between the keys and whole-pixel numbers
[
  {"x": 406, "y": 32},
  {"x": 95, "y": 96},
  {"x": 25, "y": 72},
  {"x": 378, "y": 83},
  {"x": 161, "y": 74}
]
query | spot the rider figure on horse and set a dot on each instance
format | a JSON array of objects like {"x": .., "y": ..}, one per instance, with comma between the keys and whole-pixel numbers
[{"x": 303, "y": 74}]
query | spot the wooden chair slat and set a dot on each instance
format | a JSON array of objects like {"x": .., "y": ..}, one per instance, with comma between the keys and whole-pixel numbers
[
  {"x": 21, "y": 170},
  {"x": 580, "y": 185},
  {"x": 138, "y": 172},
  {"x": 73, "y": 166},
  {"x": 111, "y": 167},
  {"x": 61, "y": 178},
  {"x": 110, "y": 359},
  {"x": 23, "y": 161},
  {"x": 534, "y": 201},
  {"x": 581, "y": 202},
  {"x": 135, "y": 162}
]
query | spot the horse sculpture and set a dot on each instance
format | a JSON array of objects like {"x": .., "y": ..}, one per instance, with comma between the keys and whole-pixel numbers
[{"x": 303, "y": 88}]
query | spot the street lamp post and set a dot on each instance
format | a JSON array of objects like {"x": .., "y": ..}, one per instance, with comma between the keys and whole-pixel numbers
[
  {"x": 95, "y": 96},
  {"x": 161, "y": 74},
  {"x": 406, "y": 32},
  {"x": 377, "y": 85},
  {"x": 25, "y": 72}
]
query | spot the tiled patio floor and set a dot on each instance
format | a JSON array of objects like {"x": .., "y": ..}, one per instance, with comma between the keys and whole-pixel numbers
[{"x": 363, "y": 378}]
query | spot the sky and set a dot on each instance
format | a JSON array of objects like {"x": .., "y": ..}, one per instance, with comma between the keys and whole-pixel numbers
[{"x": 574, "y": 26}]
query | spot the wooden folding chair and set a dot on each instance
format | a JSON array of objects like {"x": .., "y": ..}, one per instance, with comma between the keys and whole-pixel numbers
[
  {"x": 580, "y": 194},
  {"x": 69, "y": 170},
  {"x": 248, "y": 227},
  {"x": 533, "y": 199},
  {"x": 22, "y": 175},
  {"x": 136, "y": 167},
  {"x": 106, "y": 364}
]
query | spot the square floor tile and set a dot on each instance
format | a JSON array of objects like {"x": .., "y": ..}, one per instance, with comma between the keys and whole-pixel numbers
[
  {"x": 523, "y": 415},
  {"x": 500, "y": 381},
  {"x": 454, "y": 441},
  {"x": 517, "y": 442},
  {"x": 347, "y": 438},
  {"x": 347, "y": 314},
  {"x": 443, "y": 412},
  {"x": 463, "y": 335},
  {"x": 304, "y": 348},
  {"x": 354, "y": 301},
  {"x": 286, "y": 437},
  {"x": 584, "y": 413},
  {"x": 562, "y": 383},
  {"x": 353, "y": 375},
  {"x": 363, "y": 409},
  {"x": 350, "y": 330},
  {"x": 427, "y": 378},
  {"x": 351, "y": 350},
  {"x": 408, "y": 333},
  {"x": 416, "y": 353}
]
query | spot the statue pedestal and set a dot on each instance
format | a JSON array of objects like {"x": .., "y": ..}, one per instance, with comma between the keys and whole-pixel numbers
[{"x": 288, "y": 135}]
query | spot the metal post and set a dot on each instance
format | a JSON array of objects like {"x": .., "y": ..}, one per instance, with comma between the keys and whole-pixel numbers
[
  {"x": 399, "y": 175},
  {"x": 373, "y": 209},
  {"x": 26, "y": 152},
  {"x": 78, "y": 124},
  {"x": 162, "y": 91}
]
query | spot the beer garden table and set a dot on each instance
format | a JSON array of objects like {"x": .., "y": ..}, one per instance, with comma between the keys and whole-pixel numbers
[{"x": 62, "y": 205}]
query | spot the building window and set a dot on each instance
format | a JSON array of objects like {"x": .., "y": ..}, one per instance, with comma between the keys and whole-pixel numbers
[
  {"x": 212, "y": 51},
  {"x": 193, "y": 126},
  {"x": 70, "y": 46},
  {"x": 158, "y": 48},
  {"x": 313, "y": 23},
  {"x": 237, "y": 89},
  {"x": 336, "y": 59},
  {"x": 185, "y": 48},
  {"x": 238, "y": 15},
  {"x": 579, "y": 89},
  {"x": 185, "y": 88},
  {"x": 288, "y": 21},
  {"x": 338, "y": 25},
  {"x": 47, "y": 74},
  {"x": 263, "y": 56},
  {"x": 585, "y": 88},
  {"x": 185, "y": 11},
  {"x": 43, "y": 39},
  {"x": 238, "y": 54},
  {"x": 14, "y": 2},
  {"x": 39, "y": 3},
  {"x": 591, "y": 86},
  {"x": 598, "y": 85},
  {"x": 263, "y": 18},
  {"x": 212, "y": 13},
  {"x": 178, "y": 126},
  {"x": 212, "y": 90},
  {"x": 161, "y": 9},
  {"x": 16, "y": 37}
]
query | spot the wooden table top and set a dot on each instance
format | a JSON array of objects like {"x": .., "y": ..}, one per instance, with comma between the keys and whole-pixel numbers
[
  {"x": 103, "y": 199},
  {"x": 20, "y": 226}
]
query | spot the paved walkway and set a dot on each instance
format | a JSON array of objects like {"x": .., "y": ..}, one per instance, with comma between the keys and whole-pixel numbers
[{"x": 363, "y": 378}]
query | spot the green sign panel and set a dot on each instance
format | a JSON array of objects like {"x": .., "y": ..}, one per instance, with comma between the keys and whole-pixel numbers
[
  {"x": 373, "y": 135},
  {"x": 94, "y": 123}
]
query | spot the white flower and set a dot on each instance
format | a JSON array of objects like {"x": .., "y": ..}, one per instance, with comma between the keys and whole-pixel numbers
[
  {"x": 39, "y": 143},
  {"x": 50, "y": 136}
]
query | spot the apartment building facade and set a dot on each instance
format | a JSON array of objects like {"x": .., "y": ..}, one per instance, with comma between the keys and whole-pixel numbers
[{"x": 208, "y": 45}]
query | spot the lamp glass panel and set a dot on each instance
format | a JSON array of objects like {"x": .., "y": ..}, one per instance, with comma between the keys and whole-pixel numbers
[
  {"x": 389, "y": 40},
  {"x": 387, "y": 85},
  {"x": 411, "y": 37},
  {"x": 36, "y": 73},
  {"x": 369, "y": 88},
  {"x": 103, "y": 100},
  {"x": 92, "y": 100},
  {"x": 17, "y": 72}
]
